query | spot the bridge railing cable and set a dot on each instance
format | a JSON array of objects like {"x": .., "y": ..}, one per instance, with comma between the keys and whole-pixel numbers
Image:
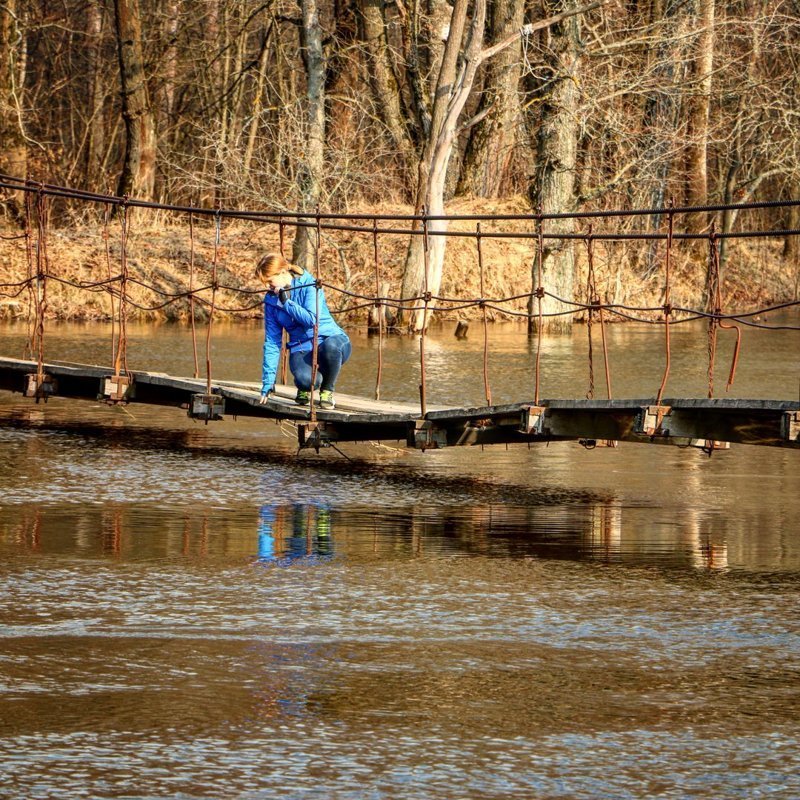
[{"x": 533, "y": 228}]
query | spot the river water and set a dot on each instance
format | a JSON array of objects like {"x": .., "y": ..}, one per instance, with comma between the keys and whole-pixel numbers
[{"x": 195, "y": 611}]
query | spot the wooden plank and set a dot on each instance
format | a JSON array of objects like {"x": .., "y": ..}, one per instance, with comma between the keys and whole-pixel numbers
[{"x": 762, "y": 422}]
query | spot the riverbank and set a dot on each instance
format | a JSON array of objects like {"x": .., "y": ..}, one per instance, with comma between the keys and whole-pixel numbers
[{"x": 164, "y": 259}]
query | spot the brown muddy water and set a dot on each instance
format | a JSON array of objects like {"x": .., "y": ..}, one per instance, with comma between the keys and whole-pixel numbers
[{"x": 194, "y": 611}]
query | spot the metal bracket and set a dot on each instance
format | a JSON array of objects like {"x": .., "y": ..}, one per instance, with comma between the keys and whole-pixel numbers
[
  {"x": 40, "y": 386},
  {"x": 117, "y": 388},
  {"x": 709, "y": 445},
  {"x": 650, "y": 420},
  {"x": 312, "y": 434},
  {"x": 428, "y": 436},
  {"x": 791, "y": 426},
  {"x": 533, "y": 420},
  {"x": 207, "y": 407}
]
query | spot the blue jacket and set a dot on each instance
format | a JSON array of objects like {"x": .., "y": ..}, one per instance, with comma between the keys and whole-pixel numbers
[{"x": 296, "y": 316}]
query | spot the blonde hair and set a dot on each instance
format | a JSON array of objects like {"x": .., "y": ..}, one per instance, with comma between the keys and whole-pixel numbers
[{"x": 273, "y": 263}]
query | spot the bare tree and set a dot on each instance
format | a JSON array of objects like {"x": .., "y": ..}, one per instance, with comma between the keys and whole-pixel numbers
[
  {"x": 311, "y": 167},
  {"x": 139, "y": 167},
  {"x": 495, "y": 128},
  {"x": 13, "y": 145},
  {"x": 699, "y": 105},
  {"x": 553, "y": 188}
]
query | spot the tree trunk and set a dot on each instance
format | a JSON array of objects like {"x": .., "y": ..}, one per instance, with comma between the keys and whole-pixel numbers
[
  {"x": 139, "y": 168},
  {"x": 13, "y": 147},
  {"x": 310, "y": 168},
  {"x": 258, "y": 100},
  {"x": 698, "y": 111},
  {"x": 661, "y": 115},
  {"x": 553, "y": 190},
  {"x": 96, "y": 143},
  {"x": 492, "y": 141},
  {"x": 172, "y": 12},
  {"x": 449, "y": 97},
  {"x": 372, "y": 32}
]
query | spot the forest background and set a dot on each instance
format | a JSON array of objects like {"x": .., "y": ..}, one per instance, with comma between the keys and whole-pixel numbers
[{"x": 373, "y": 107}]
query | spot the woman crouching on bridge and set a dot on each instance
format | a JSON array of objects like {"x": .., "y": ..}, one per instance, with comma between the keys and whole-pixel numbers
[{"x": 290, "y": 305}]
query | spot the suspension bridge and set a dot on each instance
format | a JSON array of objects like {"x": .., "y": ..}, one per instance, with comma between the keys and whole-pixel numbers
[{"x": 710, "y": 423}]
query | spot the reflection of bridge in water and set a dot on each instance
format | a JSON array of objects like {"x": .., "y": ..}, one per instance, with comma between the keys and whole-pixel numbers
[
  {"x": 591, "y": 531},
  {"x": 707, "y": 422}
]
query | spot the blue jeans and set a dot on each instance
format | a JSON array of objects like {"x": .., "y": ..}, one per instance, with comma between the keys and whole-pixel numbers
[{"x": 332, "y": 352}]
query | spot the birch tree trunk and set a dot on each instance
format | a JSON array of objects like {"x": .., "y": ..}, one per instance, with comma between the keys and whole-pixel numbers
[
  {"x": 310, "y": 168},
  {"x": 450, "y": 95},
  {"x": 139, "y": 167},
  {"x": 553, "y": 189},
  {"x": 13, "y": 146}
]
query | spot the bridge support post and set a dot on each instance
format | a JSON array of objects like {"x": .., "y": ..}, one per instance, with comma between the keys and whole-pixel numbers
[
  {"x": 533, "y": 420},
  {"x": 117, "y": 388},
  {"x": 791, "y": 426},
  {"x": 40, "y": 385},
  {"x": 427, "y": 436},
  {"x": 312, "y": 434},
  {"x": 650, "y": 420},
  {"x": 207, "y": 407}
]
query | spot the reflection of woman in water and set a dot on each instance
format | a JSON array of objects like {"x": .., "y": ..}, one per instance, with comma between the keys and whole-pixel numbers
[{"x": 295, "y": 531}]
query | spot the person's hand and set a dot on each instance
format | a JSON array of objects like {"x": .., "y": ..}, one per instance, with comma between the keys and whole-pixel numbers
[
  {"x": 265, "y": 393},
  {"x": 283, "y": 296}
]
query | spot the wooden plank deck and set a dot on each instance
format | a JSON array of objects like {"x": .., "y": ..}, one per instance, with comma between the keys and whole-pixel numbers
[{"x": 698, "y": 422}]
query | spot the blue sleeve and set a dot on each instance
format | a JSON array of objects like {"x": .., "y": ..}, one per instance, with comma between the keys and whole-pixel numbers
[
  {"x": 302, "y": 305},
  {"x": 273, "y": 337}
]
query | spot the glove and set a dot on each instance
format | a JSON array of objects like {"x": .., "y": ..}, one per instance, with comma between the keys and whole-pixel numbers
[
  {"x": 265, "y": 393},
  {"x": 283, "y": 296}
]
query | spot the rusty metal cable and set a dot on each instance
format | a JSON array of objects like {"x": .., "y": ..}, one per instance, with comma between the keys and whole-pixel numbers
[
  {"x": 486, "y": 387},
  {"x": 380, "y": 308},
  {"x": 719, "y": 317},
  {"x": 193, "y": 321},
  {"x": 42, "y": 264},
  {"x": 212, "y": 308},
  {"x": 29, "y": 348},
  {"x": 539, "y": 294},
  {"x": 121, "y": 360},
  {"x": 591, "y": 294},
  {"x": 423, "y": 385},
  {"x": 712, "y": 302},
  {"x": 111, "y": 279},
  {"x": 667, "y": 310},
  {"x": 21, "y": 184},
  {"x": 315, "y": 342}
]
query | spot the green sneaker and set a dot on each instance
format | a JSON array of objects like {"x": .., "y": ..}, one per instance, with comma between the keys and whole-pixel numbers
[
  {"x": 326, "y": 399},
  {"x": 302, "y": 398}
]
